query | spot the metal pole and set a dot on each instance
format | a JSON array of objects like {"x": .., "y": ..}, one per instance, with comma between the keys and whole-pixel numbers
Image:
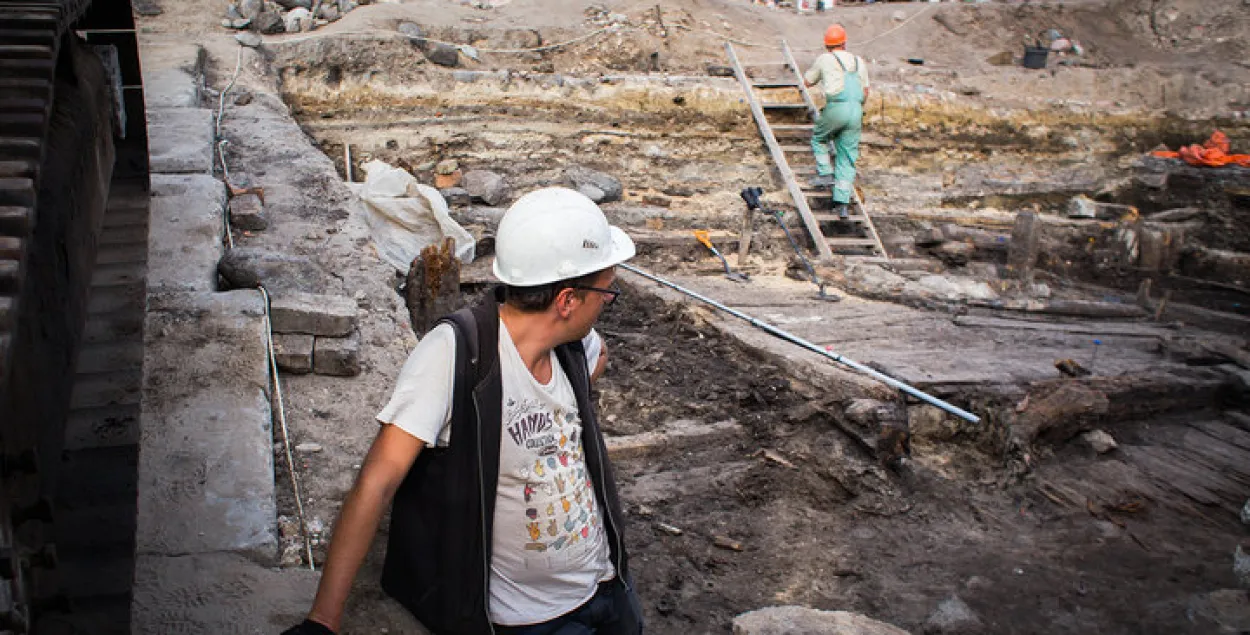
[{"x": 794, "y": 339}]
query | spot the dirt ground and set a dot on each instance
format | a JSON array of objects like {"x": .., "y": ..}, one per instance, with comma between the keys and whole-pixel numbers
[{"x": 1047, "y": 538}]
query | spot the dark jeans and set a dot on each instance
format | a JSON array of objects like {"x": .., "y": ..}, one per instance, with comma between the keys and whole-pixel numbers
[{"x": 613, "y": 610}]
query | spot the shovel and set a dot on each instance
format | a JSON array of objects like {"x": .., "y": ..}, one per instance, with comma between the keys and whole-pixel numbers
[{"x": 702, "y": 236}]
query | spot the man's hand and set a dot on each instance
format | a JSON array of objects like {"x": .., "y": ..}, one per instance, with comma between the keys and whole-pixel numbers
[{"x": 309, "y": 627}]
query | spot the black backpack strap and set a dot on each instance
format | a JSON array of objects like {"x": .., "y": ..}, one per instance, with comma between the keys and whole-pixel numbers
[{"x": 468, "y": 349}]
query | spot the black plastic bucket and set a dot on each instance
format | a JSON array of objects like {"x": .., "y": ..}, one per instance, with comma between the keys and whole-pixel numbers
[{"x": 1035, "y": 56}]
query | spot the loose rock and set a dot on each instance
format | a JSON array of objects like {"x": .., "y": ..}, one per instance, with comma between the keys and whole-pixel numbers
[
  {"x": 246, "y": 210},
  {"x": 486, "y": 186},
  {"x": 250, "y": 40},
  {"x": 297, "y": 20},
  {"x": 250, "y": 9},
  {"x": 866, "y": 412},
  {"x": 442, "y": 54},
  {"x": 249, "y": 267},
  {"x": 953, "y": 617},
  {"x": 312, "y": 314},
  {"x": 787, "y": 620},
  {"x": 1100, "y": 441},
  {"x": 415, "y": 33},
  {"x": 456, "y": 196},
  {"x": 337, "y": 356},
  {"x": 293, "y": 352},
  {"x": 598, "y": 186},
  {"x": 1241, "y": 565},
  {"x": 269, "y": 22}
]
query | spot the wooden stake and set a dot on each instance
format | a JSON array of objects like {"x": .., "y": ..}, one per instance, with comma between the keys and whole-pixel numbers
[
  {"x": 744, "y": 237},
  {"x": 1163, "y": 304},
  {"x": 347, "y": 161}
]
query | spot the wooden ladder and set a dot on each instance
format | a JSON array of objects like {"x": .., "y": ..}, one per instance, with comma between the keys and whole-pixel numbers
[{"x": 856, "y": 235}]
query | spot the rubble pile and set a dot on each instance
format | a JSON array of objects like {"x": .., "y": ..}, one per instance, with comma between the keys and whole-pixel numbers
[{"x": 285, "y": 16}]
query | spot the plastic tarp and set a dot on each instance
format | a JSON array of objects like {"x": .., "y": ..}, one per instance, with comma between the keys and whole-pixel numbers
[{"x": 405, "y": 216}]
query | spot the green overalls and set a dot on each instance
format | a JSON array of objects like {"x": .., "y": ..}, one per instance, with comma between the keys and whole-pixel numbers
[{"x": 842, "y": 121}]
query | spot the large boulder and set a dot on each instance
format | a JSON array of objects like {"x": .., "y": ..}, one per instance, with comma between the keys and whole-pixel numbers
[
  {"x": 598, "y": 186},
  {"x": 486, "y": 187},
  {"x": 249, "y": 267},
  {"x": 787, "y": 620}
]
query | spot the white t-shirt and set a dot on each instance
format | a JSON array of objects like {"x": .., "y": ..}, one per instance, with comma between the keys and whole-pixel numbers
[{"x": 549, "y": 550}]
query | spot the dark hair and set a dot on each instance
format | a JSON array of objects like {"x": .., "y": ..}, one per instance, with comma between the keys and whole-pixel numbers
[{"x": 537, "y": 299}]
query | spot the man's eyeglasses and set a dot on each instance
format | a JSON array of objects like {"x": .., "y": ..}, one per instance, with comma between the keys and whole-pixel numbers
[{"x": 611, "y": 293}]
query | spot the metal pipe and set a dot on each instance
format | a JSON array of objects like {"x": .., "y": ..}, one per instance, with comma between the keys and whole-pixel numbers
[{"x": 794, "y": 339}]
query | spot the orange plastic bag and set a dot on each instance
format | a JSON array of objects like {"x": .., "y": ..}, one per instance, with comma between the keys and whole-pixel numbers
[{"x": 1215, "y": 153}]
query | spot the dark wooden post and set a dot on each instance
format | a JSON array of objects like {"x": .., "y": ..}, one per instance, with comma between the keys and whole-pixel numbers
[{"x": 433, "y": 285}]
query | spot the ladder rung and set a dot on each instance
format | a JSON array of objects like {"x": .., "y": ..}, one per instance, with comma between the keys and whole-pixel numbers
[
  {"x": 784, "y": 107},
  {"x": 851, "y": 242},
  {"x": 776, "y": 83},
  {"x": 824, "y": 218},
  {"x": 792, "y": 127},
  {"x": 796, "y": 148}
]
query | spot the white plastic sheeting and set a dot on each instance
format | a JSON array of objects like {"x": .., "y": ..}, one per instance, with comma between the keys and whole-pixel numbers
[{"x": 405, "y": 216}]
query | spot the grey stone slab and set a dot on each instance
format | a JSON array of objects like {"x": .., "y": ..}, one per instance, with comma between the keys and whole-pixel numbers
[
  {"x": 337, "y": 356},
  {"x": 217, "y": 593},
  {"x": 180, "y": 140},
  {"x": 322, "y": 315},
  {"x": 293, "y": 352},
  {"x": 184, "y": 241},
  {"x": 206, "y": 459},
  {"x": 172, "y": 72},
  {"x": 170, "y": 88}
]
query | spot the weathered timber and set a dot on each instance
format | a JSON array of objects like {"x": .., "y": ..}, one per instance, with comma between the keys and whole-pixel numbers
[{"x": 432, "y": 285}]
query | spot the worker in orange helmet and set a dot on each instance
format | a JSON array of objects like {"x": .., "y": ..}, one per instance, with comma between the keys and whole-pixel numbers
[{"x": 843, "y": 77}]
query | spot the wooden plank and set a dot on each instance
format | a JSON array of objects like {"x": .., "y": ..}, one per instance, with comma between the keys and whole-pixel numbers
[
  {"x": 1177, "y": 473},
  {"x": 1090, "y": 328},
  {"x": 779, "y": 158},
  {"x": 1224, "y": 432},
  {"x": 1214, "y": 451}
]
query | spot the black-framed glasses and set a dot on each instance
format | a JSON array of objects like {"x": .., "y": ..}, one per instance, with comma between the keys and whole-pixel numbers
[{"x": 611, "y": 292}]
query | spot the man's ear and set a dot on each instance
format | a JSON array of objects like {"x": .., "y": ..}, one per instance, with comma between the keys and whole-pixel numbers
[{"x": 564, "y": 301}]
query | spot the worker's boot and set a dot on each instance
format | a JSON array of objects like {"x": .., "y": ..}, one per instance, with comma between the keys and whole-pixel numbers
[
  {"x": 821, "y": 180},
  {"x": 841, "y": 210}
]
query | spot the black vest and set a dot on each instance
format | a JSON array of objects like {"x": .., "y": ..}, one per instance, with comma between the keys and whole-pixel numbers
[{"x": 438, "y": 552}]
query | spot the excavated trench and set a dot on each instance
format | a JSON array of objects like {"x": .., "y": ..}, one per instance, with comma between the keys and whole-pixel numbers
[{"x": 786, "y": 495}]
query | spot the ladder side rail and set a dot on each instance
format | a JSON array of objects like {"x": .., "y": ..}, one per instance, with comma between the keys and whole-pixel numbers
[
  {"x": 779, "y": 158},
  {"x": 798, "y": 77}
]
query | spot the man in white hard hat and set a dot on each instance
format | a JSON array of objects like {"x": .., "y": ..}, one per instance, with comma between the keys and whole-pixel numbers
[{"x": 505, "y": 517}]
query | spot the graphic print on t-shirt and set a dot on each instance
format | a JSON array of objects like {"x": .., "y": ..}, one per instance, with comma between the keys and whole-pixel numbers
[{"x": 558, "y": 493}]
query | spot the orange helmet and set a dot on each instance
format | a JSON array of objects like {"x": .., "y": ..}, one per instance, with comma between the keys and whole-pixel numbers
[{"x": 835, "y": 35}]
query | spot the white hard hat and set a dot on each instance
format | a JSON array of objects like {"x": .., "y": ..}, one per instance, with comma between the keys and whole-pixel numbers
[{"x": 555, "y": 234}]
